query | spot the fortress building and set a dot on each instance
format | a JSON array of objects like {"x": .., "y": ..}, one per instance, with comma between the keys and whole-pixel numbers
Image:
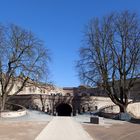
[{"x": 66, "y": 101}]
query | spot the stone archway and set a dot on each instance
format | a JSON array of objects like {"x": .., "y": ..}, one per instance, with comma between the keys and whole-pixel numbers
[{"x": 64, "y": 109}]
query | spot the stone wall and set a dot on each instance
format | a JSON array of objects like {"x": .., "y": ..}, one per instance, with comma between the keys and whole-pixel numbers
[
  {"x": 134, "y": 109},
  {"x": 48, "y": 103},
  {"x": 17, "y": 111}
]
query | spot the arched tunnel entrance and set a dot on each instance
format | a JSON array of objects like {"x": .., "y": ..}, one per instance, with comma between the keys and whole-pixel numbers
[{"x": 64, "y": 109}]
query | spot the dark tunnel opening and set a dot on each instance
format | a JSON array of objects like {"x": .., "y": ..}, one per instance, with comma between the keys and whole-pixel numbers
[{"x": 64, "y": 109}]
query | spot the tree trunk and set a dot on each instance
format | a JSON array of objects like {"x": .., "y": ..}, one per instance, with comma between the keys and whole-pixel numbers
[
  {"x": 122, "y": 109},
  {"x": 43, "y": 108},
  {"x": 2, "y": 105}
]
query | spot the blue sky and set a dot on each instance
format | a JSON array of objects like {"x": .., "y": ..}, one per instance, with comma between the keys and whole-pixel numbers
[{"x": 60, "y": 24}]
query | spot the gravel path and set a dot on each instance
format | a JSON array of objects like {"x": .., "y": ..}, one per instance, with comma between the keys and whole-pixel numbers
[{"x": 63, "y": 128}]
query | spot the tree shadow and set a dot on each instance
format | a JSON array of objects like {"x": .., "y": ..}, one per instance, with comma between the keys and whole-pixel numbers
[{"x": 135, "y": 121}]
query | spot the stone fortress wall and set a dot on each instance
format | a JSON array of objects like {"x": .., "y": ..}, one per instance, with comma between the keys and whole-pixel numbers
[{"x": 81, "y": 99}]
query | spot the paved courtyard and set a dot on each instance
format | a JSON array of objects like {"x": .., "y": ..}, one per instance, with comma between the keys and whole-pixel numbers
[
  {"x": 33, "y": 125},
  {"x": 124, "y": 131},
  {"x": 25, "y": 130}
]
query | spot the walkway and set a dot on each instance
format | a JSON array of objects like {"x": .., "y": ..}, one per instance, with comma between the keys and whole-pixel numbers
[{"x": 63, "y": 128}]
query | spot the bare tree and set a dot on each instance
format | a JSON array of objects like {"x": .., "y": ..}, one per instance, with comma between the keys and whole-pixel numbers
[
  {"x": 23, "y": 58},
  {"x": 111, "y": 56},
  {"x": 44, "y": 97}
]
